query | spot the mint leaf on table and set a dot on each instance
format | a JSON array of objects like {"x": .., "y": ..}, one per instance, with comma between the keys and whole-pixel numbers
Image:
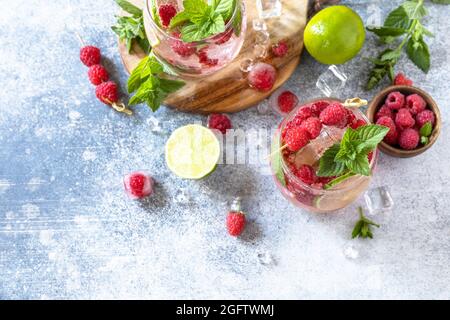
[
  {"x": 362, "y": 226},
  {"x": 149, "y": 85},
  {"x": 404, "y": 23}
]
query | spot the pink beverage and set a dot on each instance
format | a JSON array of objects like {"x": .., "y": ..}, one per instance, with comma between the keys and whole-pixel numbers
[
  {"x": 317, "y": 195},
  {"x": 199, "y": 58}
]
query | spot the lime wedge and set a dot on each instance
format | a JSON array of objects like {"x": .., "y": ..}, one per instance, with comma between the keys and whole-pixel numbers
[{"x": 192, "y": 151}]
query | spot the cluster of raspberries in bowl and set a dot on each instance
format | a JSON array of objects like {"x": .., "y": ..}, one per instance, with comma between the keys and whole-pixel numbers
[{"x": 405, "y": 111}]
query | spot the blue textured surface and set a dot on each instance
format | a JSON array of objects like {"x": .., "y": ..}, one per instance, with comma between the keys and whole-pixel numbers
[{"x": 67, "y": 229}]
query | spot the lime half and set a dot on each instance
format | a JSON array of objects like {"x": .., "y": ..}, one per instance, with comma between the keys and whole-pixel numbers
[{"x": 192, "y": 151}]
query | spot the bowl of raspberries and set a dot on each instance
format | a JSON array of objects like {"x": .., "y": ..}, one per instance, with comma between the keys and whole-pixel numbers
[{"x": 412, "y": 116}]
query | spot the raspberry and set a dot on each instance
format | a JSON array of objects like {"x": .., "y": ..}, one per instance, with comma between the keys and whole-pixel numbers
[
  {"x": 350, "y": 116},
  {"x": 395, "y": 100},
  {"x": 90, "y": 55},
  {"x": 334, "y": 115},
  {"x": 384, "y": 111},
  {"x": 358, "y": 123},
  {"x": 296, "y": 138},
  {"x": 388, "y": 122},
  {"x": 303, "y": 113},
  {"x": 181, "y": 48},
  {"x": 97, "y": 74},
  {"x": 318, "y": 106},
  {"x": 223, "y": 37},
  {"x": 409, "y": 139},
  {"x": 280, "y": 49},
  {"x": 138, "y": 184},
  {"x": 287, "y": 101},
  {"x": 219, "y": 122},
  {"x": 205, "y": 60},
  {"x": 391, "y": 139},
  {"x": 166, "y": 13},
  {"x": 107, "y": 92},
  {"x": 236, "y": 218},
  {"x": 262, "y": 76},
  {"x": 313, "y": 126},
  {"x": 415, "y": 103},
  {"x": 307, "y": 174},
  {"x": 404, "y": 119},
  {"x": 400, "y": 79},
  {"x": 424, "y": 117}
]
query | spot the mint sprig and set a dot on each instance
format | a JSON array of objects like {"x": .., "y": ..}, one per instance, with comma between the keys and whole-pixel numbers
[
  {"x": 200, "y": 20},
  {"x": 349, "y": 157},
  {"x": 404, "y": 21},
  {"x": 425, "y": 133},
  {"x": 149, "y": 84},
  {"x": 131, "y": 28},
  {"x": 362, "y": 226}
]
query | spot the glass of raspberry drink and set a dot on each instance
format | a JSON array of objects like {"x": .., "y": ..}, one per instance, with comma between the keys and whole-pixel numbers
[
  {"x": 173, "y": 44},
  {"x": 312, "y": 132}
]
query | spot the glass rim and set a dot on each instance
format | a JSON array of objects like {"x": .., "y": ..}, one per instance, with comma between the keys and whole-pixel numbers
[
  {"x": 164, "y": 31},
  {"x": 296, "y": 179}
]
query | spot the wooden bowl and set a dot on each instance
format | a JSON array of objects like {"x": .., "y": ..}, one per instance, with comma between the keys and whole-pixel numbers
[{"x": 378, "y": 101}]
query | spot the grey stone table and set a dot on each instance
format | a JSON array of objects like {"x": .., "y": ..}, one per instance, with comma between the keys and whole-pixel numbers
[{"x": 67, "y": 229}]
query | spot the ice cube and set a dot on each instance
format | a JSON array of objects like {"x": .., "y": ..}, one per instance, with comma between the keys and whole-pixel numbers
[
  {"x": 182, "y": 196},
  {"x": 265, "y": 258},
  {"x": 262, "y": 37},
  {"x": 259, "y": 25},
  {"x": 155, "y": 125},
  {"x": 331, "y": 81},
  {"x": 260, "y": 51},
  {"x": 269, "y": 8},
  {"x": 379, "y": 202},
  {"x": 263, "y": 107},
  {"x": 246, "y": 65},
  {"x": 350, "y": 251}
]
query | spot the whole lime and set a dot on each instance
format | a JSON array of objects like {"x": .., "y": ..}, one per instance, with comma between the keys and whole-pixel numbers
[{"x": 334, "y": 35}]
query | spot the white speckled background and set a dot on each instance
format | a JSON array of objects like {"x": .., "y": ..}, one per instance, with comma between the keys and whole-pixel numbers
[{"x": 67, "y": 229}]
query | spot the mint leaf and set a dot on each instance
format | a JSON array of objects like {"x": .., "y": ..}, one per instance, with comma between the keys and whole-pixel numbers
[
  {"x": 370, "y": 136},
  {"x": 424, "y": 140},
  {"x": 130, "y": 8},
  {"x": 414, "y": 10},
  {"x": 169, "y": 86},
  {"x": 192, "y": 32},
  {"x": 397, "y": 19},
  {"x": 426, "y": 130},
  {"x": 225, "y": 8},
  {"x": 441, "y": 1},
  {"x": 180, "y": 18},
  {"x": 419, "y": 53},
  {"x": 362, "y": 226},
  {"x": 217, "y": 25},
  {"x": 196, "y": 9},
  {"x": 387, "y": 31},
  {"x": 360, "y": 165},
  {"x": 135, "y": 80},
  {"x": 389, "y": 55},
  {"x": 328, "y": 167}
]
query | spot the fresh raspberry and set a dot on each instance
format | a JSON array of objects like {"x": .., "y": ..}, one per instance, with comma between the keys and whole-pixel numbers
[
  {"x": 296, "y": 138},
  {"x": 313, "y": 126},
  {"x": 219, "y": 122},
  {"x": 358, "y": 123},
  {"x": 97, "y": 74},
  {"x": 223, "y": 37},
  {"x": 90, "y": 55},
  {"x": 384, "y": 111},
  {"x": 409, "y": 139},
  {"x": 395, "y": 100},
  {"x": 404, "y": 119},
  {"x": 280, "y": 49},
  {"x": 392, "y": 139},
  {"x": 334, "y": 115},
  {"x": 262, "y": 76},
  {"x": 287, "y": 101},
  {"x": 166, "y": 13},
  {"x": 424, "y": 117},
  {"x": 415, "y": 103},
  {"x": 138, "y": 184},
  {"x": 307, "y": 174},
  {"x": 303, "y": 113},
  {"x": 107, "y": 92},
  {"x": 235, "y": 223},
  {"x": 400, "y": 79},
  {"x": 388, "y": 122},
  {"x": 318, "y": 106},
  {"x": 350, "y": 116},
  {"x": 180, "y": 47},
  {"x": 205, "y": 60}
]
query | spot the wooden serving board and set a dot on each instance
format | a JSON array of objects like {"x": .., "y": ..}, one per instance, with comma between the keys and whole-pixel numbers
[{"x": 227, "y": 90}]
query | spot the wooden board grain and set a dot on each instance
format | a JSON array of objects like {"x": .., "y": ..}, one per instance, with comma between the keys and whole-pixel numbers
[{"x": 228, "y": 90}]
